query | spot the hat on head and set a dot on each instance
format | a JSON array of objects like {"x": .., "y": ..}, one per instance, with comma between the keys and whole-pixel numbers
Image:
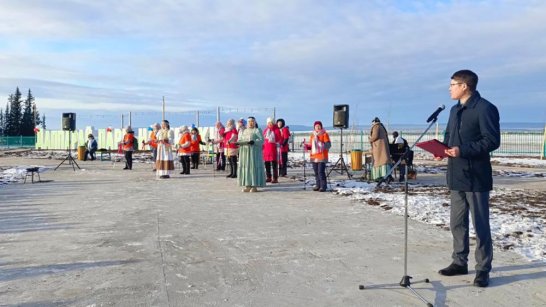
[
  {"x": 376, "y": 120},
  {"x": 183, "y": 128},
  {"x": 318, "y": 122},
  {"x": 269, "y": 120}
]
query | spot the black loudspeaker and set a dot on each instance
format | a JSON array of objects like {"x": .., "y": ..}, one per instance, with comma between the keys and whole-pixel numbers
[
  {"x": 69, "y": 121},
  {"x": 341, "y": 116}
]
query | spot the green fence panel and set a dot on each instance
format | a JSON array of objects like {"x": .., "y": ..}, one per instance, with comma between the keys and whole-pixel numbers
[{"x": 17, "y": 141}]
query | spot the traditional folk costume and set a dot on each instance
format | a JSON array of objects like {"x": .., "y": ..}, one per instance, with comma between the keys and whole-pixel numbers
[
  {"x": 320, "y": 144},
  {"x": 379, "y": 140},
  {"x": 285, "y": 137},
  {"x": 219, "y": 147},
  {"x": 251, "y": 165},
  {"x": 231, "y": 147},
  {"x": 184, "y": 150},
  {"x": 164, "y": 163},
  {"x": 272, "y": 140}
]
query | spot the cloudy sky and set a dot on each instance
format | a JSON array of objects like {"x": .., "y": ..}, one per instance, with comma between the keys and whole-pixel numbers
[{"x": 391, "y": 59}]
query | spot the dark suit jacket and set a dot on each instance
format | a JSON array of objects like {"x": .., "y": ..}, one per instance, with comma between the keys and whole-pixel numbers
[{"x": 473, "y": 127}]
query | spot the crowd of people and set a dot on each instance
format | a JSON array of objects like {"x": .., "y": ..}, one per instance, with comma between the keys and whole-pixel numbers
[
  {"x": 237, "y": 146},
  {"x": 255, "y": 157}
]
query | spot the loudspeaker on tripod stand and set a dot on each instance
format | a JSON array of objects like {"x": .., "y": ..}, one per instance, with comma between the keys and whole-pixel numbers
[
  {"x": 341, "y": 116},
  {"x": 69, "y": 121}
]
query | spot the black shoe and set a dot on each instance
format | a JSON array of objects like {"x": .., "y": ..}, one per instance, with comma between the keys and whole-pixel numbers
[
  {"x": 125, "y": 168},
  {"x": 322, "y": 190},
  {"x": 316, "y": 188},
  {"x": 482, "y": 279},
  {"x": 454, "y": 269},
  {"x": 229, "y": 176}
]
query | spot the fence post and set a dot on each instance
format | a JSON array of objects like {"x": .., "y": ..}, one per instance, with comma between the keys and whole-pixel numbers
[{"x": 543, "y": 144}]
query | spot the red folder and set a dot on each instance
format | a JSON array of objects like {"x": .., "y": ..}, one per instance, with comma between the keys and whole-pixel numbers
[{"x": 435, "y": 147}]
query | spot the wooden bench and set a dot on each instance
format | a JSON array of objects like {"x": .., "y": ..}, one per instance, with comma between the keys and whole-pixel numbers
[
  {"x": 105, "y": 154},
  {"x": 30, "y": 172}
]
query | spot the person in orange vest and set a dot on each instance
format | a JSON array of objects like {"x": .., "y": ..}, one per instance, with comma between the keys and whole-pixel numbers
[
  {"x": 184, "y": 149},
  {"x": 319, "y": 144},
  {"x": 194, "y": 147},
  {"x": 128, "y": 147},
  {"x": 152, "y": 142}
]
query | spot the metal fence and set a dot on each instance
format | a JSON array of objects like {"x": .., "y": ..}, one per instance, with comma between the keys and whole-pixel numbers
[
  {"x": 7, "y": 142},
  {"x": 530, "y": 144},
  {"x": 520, "y": 143}
]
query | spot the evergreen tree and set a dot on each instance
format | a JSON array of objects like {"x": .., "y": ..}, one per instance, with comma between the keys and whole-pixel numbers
[
  {"x": 1, "y": 122},
  {"x": 7, "y": 114},
  {"x": 43, "y": 122},
  {"x": 16, "y": 114},
  {"x": 27, "y": 122}
]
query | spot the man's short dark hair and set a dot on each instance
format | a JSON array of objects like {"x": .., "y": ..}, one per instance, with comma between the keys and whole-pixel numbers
[{"x": 468, "y": 77}]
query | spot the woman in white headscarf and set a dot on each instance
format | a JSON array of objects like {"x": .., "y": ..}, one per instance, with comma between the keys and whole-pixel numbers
[{"x": 251, "y": 165}]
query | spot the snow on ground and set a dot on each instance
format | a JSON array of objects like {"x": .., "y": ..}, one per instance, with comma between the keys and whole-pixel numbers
[
  {"x": 523, "y": 162},
  {"x": 517, "y": 217},
  {"x": 16, "y": 174}
]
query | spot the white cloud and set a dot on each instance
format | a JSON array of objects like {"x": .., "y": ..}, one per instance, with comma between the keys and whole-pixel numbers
[{"x": 379, "y": 55}]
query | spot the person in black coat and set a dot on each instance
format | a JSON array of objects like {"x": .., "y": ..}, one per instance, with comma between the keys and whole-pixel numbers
[{"x": 472, "y": 133}]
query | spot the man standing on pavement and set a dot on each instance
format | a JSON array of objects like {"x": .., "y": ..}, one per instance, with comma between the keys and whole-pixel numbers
[{"x": 472, "y": 133}]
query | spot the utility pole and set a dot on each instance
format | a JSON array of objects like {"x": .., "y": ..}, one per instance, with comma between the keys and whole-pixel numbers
[{"x": 163, "y": 113}]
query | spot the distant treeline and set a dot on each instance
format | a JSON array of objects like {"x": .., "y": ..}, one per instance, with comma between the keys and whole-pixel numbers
[{"x": 20, "y": 117}]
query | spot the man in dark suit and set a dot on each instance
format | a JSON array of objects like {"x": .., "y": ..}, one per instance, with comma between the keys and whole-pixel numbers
[{"x": 472, "y": 133}]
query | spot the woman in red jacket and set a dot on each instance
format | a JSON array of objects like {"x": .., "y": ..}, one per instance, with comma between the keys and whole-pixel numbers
[
  {"x": 272, "y": 139},
  {"x": 285, "y": 136},
  {"x": 231, "y": 147}
]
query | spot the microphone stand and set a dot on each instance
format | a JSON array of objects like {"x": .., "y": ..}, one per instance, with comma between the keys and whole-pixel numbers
[
  {"x": 303, "y": 149},
  {"x": 406, "y": 279}
]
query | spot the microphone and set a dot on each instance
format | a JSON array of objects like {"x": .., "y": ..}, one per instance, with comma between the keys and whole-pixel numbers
[{"x": 434, "y": 115}]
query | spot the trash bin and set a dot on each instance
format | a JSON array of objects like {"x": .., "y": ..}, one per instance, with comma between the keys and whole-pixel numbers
[
  {"x": 81, "y": 152},
  {"x": 356, "y": 159}
]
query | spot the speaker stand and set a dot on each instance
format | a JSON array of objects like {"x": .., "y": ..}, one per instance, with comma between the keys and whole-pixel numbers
[
  {"x": 340, "y": 165},
  {"x": 68, "y": 157}
]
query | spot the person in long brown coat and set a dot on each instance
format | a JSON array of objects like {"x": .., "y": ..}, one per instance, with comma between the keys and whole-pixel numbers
[{"x": 379, "y": 140}]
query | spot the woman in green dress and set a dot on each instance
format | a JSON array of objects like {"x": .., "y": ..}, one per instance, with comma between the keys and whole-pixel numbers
[{"x": 251, "y": 165}]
